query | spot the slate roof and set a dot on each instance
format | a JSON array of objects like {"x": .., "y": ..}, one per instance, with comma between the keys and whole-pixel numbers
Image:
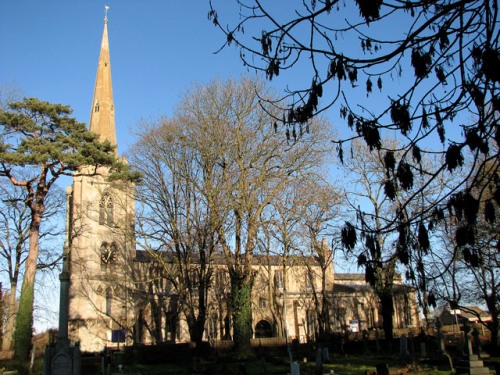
[
  {"x": 144, "y": 256},
  {"x": 468, "y": 312}
]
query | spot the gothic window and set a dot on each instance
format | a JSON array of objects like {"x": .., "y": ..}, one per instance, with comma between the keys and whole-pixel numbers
[
  {"x": 220, "y": 280},
  {"x": 309, "y": 281},
  {"x": 278, "y": 279},
  {"x": 311, "y": 322},
  {"x": 407, "y": 312},
  {"x": 262, "y": 303},
  {"x": 106, "y": 210},
  {"x": 194, "y": 279},
  {"x": 109, "y": 300}
]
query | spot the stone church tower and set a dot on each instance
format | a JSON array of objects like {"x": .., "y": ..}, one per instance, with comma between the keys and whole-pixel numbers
[{"x": 100, "y": 235}]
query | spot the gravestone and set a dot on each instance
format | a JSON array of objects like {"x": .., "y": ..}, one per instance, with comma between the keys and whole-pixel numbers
[
  {"x": 441, "y": 357},
  {"x": 471, "y": 364},
  {"x": 403, "y": 347},
  {"x": 294, "y": 369},
  {"x": 477, "y": 342},
  {"x": 365, "y": 341},
  {"x": 423, "y": 341},
  {"x": 318, "y": 368},
  {"x": 423, "y": 350},
  {"x": 326, "y": 354},
  {"x": 62, "y": 364}
]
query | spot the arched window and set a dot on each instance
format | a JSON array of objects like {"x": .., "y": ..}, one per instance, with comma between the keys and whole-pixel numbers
[
  {"x": 109, "y": 300},
  {"x": 106, "y": 210}
]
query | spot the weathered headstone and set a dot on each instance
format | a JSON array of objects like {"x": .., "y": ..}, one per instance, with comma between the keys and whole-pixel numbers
[
  {"x": 471, "y": 364},
  {"x": 403, "y": 347},
  {"x": 318, "y": 368},
  {"x": 294, "y": 369},
  {"x": 62, "y": 364},
  {"x": 467, "y": 338},
  {"x": 365, "y": 340},
  {"x": 442, "y": 358},
  {"x": 326, "y": 354},
  {"x": 423, "y": 350},
  {"x": 440, "y": 337},
  {"x": 476, "y": 341},
  {"x": 423, "y": 343}
]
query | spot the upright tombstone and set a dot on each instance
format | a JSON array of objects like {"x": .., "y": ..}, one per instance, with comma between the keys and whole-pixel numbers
[
  {"x": 318, "y": 369},
  {"x": 403, "y": 347},
  {"x": 476, "y": 342},
  {"x": 423, "y": 342},
  {"x": 442, "y": 358},
  {"x": 365, "y": 340},
  {"x": 294, "y": 368},
  {"x": 471, "y": 364}
]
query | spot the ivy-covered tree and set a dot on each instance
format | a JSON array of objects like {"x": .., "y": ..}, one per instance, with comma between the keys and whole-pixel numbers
[
  {"x": 424, "y": 72},
  {"x": 232, "y": 165},
  {"x": 40, "y": 140},
  {"x": 14, "y": 238}
]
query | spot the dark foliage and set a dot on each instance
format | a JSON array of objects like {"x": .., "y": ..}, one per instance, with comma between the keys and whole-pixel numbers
[{"x": 438, "y": 75}]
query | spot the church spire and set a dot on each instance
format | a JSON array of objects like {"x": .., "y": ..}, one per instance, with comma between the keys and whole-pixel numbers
[{"x": 102, "y": 114}]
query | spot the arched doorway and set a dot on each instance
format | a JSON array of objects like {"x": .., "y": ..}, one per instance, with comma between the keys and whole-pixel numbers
[{"x": 263, "y": 329}]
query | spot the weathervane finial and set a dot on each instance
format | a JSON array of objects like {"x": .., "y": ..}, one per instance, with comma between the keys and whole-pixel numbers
[{"x": 106, "y": 8}]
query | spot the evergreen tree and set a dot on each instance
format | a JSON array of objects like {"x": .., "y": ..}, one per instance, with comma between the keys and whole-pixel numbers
[{"x": 41, "y": 138}]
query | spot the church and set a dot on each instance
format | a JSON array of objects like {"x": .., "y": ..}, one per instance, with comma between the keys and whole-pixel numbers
[{"x": 114, "y": 289}]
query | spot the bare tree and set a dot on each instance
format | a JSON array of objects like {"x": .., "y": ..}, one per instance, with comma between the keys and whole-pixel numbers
[
  {"x": 177, "y": 223},
  {"x": 321, "y": 211},
  {"x": 422, "y": 72},
  {"x": 238, "y": 166},
  {"x": 14, "y": 236},
  {"x": 294, "y": 228},
  {"x": 366, "y": 196},
  {"x": 470, "y": 262}
]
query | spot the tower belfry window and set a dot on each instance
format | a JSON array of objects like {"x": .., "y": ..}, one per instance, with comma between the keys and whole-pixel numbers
[
  {"x": 96, "y": 107},
  {"x": 106, "y": 210}
]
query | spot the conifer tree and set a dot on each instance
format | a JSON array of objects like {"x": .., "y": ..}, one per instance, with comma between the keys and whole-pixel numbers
[{"x": 41, "y": 138}]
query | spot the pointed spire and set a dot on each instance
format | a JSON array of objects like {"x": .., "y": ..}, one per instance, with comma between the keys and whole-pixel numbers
[{"x": 102, "y": 114}]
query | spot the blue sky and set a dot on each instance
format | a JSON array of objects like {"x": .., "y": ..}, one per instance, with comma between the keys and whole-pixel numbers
[{"x": 49, "y": 50}]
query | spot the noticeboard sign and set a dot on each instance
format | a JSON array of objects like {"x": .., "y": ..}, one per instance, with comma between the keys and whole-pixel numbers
[{"x": 354, "y": 325}]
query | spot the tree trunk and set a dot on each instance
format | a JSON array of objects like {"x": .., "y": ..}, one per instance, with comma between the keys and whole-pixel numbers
[
  {"x": 24, "y": 318},
  {"x": 386, "y": 302},
  {"x": 11, "y": 319},
  {"x": 196, "y": 324},
  {"x": 494, "y": 325},
  {"x": 241, "y": 303}
]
